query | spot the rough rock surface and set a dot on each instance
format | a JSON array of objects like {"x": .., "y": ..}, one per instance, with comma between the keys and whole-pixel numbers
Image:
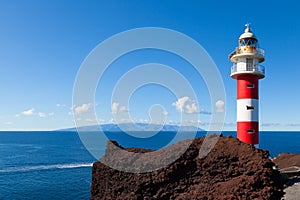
[
  {"x": 232, "y": 170},
  {"x": 285, "y": 160},
  {"x": 292, "y": 162}
]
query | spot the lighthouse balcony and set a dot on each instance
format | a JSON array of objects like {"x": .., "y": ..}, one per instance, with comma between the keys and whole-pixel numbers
[
  {"x": 257, "y": 70},
  {"x": 246, "y": 51}
]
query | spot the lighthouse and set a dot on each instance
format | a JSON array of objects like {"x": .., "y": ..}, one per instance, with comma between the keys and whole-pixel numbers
[{"x": 247, "y": 71}]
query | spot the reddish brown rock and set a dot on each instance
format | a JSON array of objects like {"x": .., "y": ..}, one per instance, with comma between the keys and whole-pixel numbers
[
  {"x": 232, "y": 170},
  {"x": 285, "y": 160}
]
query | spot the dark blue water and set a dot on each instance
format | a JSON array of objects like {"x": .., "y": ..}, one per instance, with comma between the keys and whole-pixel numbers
[{"x": 56, "y": 165}]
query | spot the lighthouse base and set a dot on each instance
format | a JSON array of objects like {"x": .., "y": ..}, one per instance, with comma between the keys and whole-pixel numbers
[{"x": 247, "y": 132}]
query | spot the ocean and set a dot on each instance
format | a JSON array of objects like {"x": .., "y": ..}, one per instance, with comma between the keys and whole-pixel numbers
[{"x": 56, "y": 165}]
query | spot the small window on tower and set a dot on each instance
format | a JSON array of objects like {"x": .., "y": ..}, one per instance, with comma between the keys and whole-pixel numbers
[
  {"x": 250, "y": 107},
  {"x": 250, "y": 86},
  {"x": 250, "y": 131}
]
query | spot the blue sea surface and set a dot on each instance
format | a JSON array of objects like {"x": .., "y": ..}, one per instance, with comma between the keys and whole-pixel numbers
[{"x": 56, "y": 165}]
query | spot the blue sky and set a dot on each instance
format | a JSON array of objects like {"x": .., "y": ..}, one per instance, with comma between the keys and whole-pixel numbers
[{"x": 43, "y": 43}]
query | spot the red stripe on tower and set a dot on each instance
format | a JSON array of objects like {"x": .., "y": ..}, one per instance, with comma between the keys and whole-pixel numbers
[
  {"x": 247, "y": 87},
  {"x": 247, "y": 71},
  {"x": 244, "y": 135}
]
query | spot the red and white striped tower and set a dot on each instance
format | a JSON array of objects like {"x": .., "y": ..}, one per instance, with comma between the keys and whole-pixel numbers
[{"x": 246, "y": 69}]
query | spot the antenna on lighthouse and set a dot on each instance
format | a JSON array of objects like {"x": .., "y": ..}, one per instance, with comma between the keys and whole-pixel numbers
[{"x": 248, "y": 28}]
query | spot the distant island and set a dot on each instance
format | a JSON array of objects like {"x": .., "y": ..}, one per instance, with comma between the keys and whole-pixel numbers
[{"x": 133, "y": 127}]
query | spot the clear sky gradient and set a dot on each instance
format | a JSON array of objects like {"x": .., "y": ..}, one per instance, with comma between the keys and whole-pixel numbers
[{"x": 43, "y": 43}]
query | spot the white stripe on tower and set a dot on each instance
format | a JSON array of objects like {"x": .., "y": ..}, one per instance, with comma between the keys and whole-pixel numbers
[{"x": 247, "y": 110}]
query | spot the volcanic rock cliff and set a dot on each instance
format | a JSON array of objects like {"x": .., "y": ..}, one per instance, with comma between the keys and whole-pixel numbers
[
  {"x": 232, "y": 170},
  {"x": 285, "y": 160}
]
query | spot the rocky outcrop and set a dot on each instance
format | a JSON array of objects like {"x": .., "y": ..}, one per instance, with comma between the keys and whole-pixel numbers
[
  {"x": 285, "y": 160},
  {"x": 289, "y": 165},
  {"x": 232, "y": 170}
]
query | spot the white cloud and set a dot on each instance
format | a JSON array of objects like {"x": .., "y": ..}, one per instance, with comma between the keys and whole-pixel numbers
[
  {"x": 165, "y": 113},
  {"x": 115, "y": 108},
  {"x": 101, "y": 120},
  {"x": 83, "y": 108},
  {"x": 220, "y": 106},
  {"x": 91, "y": 120},
  {"x": 51, "y": 113},
  {"x": 41, "y": 114},
  {"x": 124, "y": 120},
  {"x": 123, "y": 109},
  {"x": 144, "y": 120},
  {"x": 229, "y": 124},
  {"x": 31, "y": 112},
  {"x": 60, "y": 105},
  {"x": 191, "y": 108},
  {"x": 269, "y": 124},
  {"x": 192, "y": 122},
  {"x": 28, "y": 112},
  {"x": 186, "y": 105},
  {"x": 8, "y": 123},
  {"x": 179, "y": 104}
]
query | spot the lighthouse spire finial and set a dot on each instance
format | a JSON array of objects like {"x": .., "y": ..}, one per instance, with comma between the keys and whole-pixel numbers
[{"x": 248, "y": 28}]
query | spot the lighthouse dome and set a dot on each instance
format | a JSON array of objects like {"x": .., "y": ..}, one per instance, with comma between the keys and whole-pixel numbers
[
  {"x": 248, "y": 38},
  {"x": 248, "y": 33}
]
